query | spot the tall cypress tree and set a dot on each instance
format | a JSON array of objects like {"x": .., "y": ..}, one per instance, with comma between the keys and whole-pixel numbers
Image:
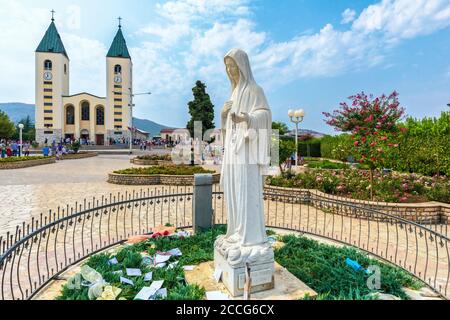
[{"x": 201, "y": 109}]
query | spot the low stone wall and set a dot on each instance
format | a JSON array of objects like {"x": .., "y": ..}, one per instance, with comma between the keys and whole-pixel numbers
[
  {"x": 423, "y": 213},
  {"x": 26, "y": 164},
  {"x": 141, "y": 162},
  {"x": 147, "y": 180},
  {"x": 81, "y": 155}
]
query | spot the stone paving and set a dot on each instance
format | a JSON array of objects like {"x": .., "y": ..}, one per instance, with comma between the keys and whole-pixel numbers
[{"x": 26, "y": 193}]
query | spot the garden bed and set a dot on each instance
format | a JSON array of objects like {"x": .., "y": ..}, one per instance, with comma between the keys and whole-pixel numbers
[
  {"x": 80, "y": 155},
  {"x": 152, "y": 160},
  {"x": 428, "y": 213},
  {"x": 159, "y": 175},
  {"x": 355, "y": 184},
  {"x": 322, "y": 267},
  {"x": 24, "y": 162}
]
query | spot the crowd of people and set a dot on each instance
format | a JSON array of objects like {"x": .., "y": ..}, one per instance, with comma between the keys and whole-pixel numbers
[{"x": 11, "y": 148}]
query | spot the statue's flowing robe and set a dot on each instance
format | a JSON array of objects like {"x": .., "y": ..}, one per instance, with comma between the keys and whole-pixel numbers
[{"x": 246, "y": 157}]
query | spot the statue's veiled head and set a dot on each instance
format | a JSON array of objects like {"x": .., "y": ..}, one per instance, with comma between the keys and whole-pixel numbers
[{"x": 238, "y": 67}]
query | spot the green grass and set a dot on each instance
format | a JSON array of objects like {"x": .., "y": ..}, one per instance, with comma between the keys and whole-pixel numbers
[
  {"x": 21, "y": 159},
  {"x": 165, "y": 170},
  {"x": 322, "y": 267}
]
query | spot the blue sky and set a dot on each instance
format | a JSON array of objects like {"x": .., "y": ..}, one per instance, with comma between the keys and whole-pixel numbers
[{"x": 305, "y": 53}]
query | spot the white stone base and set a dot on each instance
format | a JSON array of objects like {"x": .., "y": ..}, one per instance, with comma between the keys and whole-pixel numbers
[{"x": 262, "y": 275}]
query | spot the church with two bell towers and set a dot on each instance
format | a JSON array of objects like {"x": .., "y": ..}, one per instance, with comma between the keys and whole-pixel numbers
[{"x": 82, "y": 116}]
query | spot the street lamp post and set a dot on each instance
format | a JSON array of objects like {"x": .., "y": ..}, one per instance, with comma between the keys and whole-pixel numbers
[
  {"x": 296, "y": 117},
  {"x": 21, "y": 126},
  {"x": 132, "y": 105}
]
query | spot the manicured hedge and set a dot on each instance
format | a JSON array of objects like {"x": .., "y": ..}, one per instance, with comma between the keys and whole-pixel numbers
[{"x": 21, "y": 159}]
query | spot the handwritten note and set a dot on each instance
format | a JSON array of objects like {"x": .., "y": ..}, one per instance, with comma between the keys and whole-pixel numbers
[
  {"x": 134, "y": 272},
  {"x": 126, "y": 281}
]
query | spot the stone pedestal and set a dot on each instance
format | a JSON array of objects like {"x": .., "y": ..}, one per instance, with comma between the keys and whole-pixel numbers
[{"x": 234, "y": 278}]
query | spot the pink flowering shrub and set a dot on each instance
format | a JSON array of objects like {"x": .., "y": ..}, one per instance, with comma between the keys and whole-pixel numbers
[{"x": 373, "y": 124}]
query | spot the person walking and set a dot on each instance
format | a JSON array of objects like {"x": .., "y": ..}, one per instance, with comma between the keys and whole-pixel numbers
[
  {"x": 26, "y": 149},
  {"x": 8, "y": 152},
  {"x": 3, "y": 150}
]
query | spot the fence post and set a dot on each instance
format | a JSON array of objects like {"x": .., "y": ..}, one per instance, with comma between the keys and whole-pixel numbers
[{"x": 202, "y": 203}]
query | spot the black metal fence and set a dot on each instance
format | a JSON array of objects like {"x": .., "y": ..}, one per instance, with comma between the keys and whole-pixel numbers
[
  {"x": 39, "y": 251},
  {"x": 418, "y": 249}
]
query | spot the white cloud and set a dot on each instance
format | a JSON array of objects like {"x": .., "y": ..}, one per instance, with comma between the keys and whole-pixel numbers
[
  {"x": 348, "y": 16},
  {"x": 87, "y": 64},
  {"x": 403, "y": 19}
]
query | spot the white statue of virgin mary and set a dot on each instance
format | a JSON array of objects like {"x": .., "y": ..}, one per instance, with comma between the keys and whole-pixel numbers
[{"x": 246, "y": 125}]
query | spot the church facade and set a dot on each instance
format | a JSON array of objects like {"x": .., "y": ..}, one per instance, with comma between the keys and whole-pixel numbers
[{"x": 81, "y": 116}]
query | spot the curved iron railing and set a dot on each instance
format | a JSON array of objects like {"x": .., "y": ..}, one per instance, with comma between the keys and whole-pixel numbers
[
  {"x": 416, "y": 248},
  {"x": 38, "y": 252}
]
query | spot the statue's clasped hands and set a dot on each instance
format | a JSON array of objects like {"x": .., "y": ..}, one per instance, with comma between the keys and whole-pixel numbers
[{"x": 239, "y": 118}]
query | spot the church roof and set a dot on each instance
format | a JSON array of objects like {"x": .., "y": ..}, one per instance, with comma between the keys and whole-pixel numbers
[
  {"x": 52, "y": 41},
  {"x": 119, "y": 47}
]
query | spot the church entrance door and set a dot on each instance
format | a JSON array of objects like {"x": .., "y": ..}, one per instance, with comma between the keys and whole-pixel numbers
[{"x": 100, "y": 139}]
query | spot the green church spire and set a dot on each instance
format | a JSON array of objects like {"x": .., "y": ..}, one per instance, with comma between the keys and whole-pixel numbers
[
  {"x": 119, "y": 47},
  {"x": 52, "y": 40}
]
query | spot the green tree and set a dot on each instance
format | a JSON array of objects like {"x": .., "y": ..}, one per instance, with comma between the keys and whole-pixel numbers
[
  {"x": 6, "y": 126},
  {"x": 281, "y": 127},
  {"x": 287, "y": 149},
  {"x": 201, "y": 109},
  {"x": 28, "y": 132}
]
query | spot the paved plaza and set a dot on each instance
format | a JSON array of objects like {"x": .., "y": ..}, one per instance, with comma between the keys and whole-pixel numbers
[{"x": 29, "y": 192}]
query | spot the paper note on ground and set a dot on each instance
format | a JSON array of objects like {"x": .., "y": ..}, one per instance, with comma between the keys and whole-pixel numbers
[
  {"x": 162, "y": 258},
  {"x": 145, "y": 294},
  {"x": 148, "y": 277},
  {"x": 134, "y": 272},
  {"x": 175, "y": 252},
  {"x": 156, "y": 285},
  {"x": 126, "y": 281}
]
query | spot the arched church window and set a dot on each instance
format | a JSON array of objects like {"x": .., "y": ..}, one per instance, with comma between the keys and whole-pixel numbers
[
  {"x": 100, "y": 116},
  {"x": 65, "y": 68},
  {"x": 117, "y": 69},
  {"x": 70, "y": 115},
  {"x": 85, "y": 111},
  {"x": 48, "y": 65}
]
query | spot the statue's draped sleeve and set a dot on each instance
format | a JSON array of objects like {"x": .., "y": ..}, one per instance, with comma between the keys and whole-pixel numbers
[{"x": 259, "y": 136}]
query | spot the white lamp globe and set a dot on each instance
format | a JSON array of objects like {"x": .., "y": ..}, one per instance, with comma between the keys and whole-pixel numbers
[
  {"x": 291, "y": 113},
  {"x": 21, "y": 126},
  {"x": 300, "y": 113}
]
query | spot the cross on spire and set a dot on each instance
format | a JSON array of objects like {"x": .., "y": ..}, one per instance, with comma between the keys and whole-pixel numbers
[
  {"x": 120, "y": 22},
  {"x": 53, "y": 15}
]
